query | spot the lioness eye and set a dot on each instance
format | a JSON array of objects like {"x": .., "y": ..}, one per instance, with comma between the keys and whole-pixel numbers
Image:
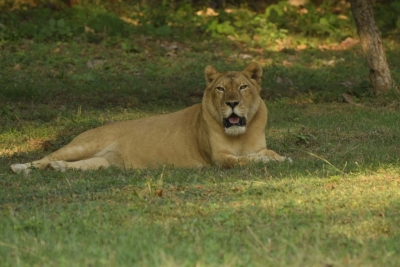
[
  {"x": 242, "y": 87},
  {"x": 221, "y": 89}
]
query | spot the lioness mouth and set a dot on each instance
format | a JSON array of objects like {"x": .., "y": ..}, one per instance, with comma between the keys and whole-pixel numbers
[{"x": 234, "y": 120}]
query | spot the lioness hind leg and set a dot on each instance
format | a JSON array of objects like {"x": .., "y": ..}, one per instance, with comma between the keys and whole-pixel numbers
[
  {"x": 27, "y": 167},
  {"x": 70, "y": 153},
  {"x": 86, "y": 164}
]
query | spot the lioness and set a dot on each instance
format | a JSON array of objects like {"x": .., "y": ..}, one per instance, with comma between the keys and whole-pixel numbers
[{"x": 227, "y": 129}]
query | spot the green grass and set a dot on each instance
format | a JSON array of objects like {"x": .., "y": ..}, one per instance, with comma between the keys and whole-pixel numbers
[
  {"x": 255, "y": 216},
  {"x": 301, "y": 214},
  {"x": 337, "y": 204}
]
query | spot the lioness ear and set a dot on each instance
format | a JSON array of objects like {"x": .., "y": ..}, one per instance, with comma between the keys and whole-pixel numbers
[
  {"x": 210, "y": 71},
  {"x": 255, "y": 71}
]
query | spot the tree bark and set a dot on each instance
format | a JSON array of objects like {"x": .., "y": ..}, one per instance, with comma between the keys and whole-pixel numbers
[{"x": 379, "y": 72}]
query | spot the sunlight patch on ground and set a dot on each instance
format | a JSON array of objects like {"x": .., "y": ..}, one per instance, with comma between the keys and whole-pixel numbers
[{"x": 26, "y": 147}]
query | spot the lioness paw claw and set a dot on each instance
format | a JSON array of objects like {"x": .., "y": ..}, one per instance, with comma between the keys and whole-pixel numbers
[{"x": 266, "y": 159}]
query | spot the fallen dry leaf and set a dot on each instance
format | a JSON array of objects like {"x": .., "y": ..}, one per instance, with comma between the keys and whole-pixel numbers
[
  {"x": 57, "y": 50},
  {"x": 128, "y": 20},
  {"x": 301, "y": 47},
  {"x": 88, "y": 29},
  {"x": 245, "y": 56},
  {"x": 348, "y": 42},
  {"x": 209, "y": 12},
  {"x": 348, "y": 98},
  {"x": 158, "y": 192}
]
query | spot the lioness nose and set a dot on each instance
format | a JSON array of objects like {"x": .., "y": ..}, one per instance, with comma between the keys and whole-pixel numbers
[{"x": 232, "y": 104}]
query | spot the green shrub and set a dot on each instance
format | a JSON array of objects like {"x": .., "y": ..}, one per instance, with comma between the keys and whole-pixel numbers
[
  {"x": 96, "y": 22},
  {"x": 44, "y": 24},
  {"x": 388, "y": 16}
]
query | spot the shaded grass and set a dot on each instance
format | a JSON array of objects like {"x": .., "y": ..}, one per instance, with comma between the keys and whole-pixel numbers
[{"x": 56, "y": 74}]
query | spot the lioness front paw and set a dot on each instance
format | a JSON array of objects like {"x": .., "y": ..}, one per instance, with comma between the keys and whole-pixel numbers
[
  {"x": 58, "y": 166},
  {"x": 267, "y": 159}
]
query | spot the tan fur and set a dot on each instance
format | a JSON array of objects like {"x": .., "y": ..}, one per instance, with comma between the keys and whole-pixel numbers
[{"x": 192, "y": 137}]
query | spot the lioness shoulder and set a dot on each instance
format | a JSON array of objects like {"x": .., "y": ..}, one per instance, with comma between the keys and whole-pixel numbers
[{"x": 226, "y": 129}]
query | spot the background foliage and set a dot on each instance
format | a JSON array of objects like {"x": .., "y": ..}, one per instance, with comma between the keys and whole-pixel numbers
[
  {"x": 242, "y": 20},
  {"x": 250, "y": 26}
]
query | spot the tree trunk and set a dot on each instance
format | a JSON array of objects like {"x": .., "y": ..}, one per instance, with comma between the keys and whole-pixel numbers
[{"x": 379, "y": 72}]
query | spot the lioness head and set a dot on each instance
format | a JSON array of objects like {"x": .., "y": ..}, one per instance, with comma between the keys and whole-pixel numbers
[{"x": 233, "y": 97}]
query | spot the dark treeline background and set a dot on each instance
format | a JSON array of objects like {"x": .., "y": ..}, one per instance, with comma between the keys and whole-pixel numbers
[{"x": 255, "y": 5}]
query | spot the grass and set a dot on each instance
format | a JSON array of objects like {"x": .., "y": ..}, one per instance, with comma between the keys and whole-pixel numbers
[
  {"x": 244, "y": 217},
  {"x": 337, "y": 204}
]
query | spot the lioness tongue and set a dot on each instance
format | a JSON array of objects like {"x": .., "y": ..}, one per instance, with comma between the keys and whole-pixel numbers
[{"x": 234, "y": 120}]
